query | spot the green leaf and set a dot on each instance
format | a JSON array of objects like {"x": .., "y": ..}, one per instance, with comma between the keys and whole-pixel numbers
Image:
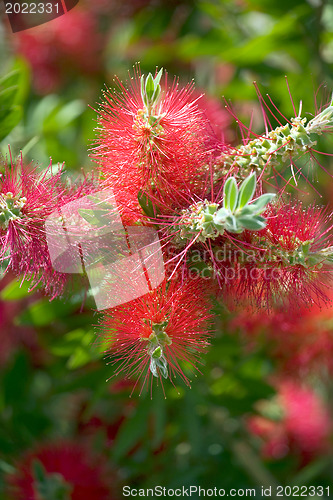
[
  {"x": 80, "y": 357},
  {"x": 230, "y": 194},
  {"x": 50, "y": 485},
  {"x": 143, "y": 87},
  {"x": 10, "y": 79},
  {"x": 79, "y": 346},
  {"x": 43, "y": 312},
  {"x": 146, "y": 204},
  {"x": 7, "y": 99},
  {"x": 150, "y": 87},
  {"x": 132, "y": 431},
  {"x": 254, "y": 223},
  {"x": 158, "y": 77},
  {"x": 62, "y": 116},
  {"x": 156, "y": 94},
  {"x": 231, "y": 224},
  {"x": 15, "y": 290},
  {"x": 246, "y": 190},
  {"x": 19, "y": 78},
  {"x": 247, "y": 210},
  {"x": 10, "y": 100},
  {"x": 157, "y": 353},
  {"x": 12, "y": 118},
  {"x": 162, "y": 365},
  {"x": 260, "y": 204},
  {"x": 69, "y": 112},
  {"x": 310, "y": 472},
  {"x": 95, "y": 217}
]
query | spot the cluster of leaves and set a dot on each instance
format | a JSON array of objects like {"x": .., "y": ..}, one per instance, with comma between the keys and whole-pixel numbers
[{"x": 237, "y": 212}]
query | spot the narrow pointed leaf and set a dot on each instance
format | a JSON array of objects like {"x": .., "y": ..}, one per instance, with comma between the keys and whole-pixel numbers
[
  {"x": 252, "y": 223},
  {"x": 157, "y": 92},
  {"x": 230, "y": 194},
  {"x": 142, "y": 86},
  {"x": 260, "y": 204},
  {"x": 95, "y": 217},
  {"x": 246, "y": 190},
  {"x": 150, "y": 87},
  {"x": 158, "y": 77}
]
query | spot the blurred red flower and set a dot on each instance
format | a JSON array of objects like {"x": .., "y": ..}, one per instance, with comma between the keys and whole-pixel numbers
[
  {"x": 303, "y": 426},
  {"x": 63, "y": 468},
  {"x": 59, "y": 48}
]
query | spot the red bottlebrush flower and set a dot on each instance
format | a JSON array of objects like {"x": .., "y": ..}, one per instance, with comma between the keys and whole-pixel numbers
[
  {"x": 55, "y": 50},
  {"x": 65, "y": 469},
  {"x": 290, "y": 225},
  {"x": 27, "y": 198},
  {"x": 301, "y": 343},
  {"x": 157, "y": 333},
  {"x": 287, "y": 263},
  {"x": 303, "y": 428},
  {"x": 155, "y": 144}
]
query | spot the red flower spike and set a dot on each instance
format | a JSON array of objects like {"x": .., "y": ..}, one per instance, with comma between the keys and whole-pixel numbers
[
  {"x": 302, "y": 429},
  {"x": 27, "y": 197},
  {"x": 156, "y": 146},
  {"x": 62, "y": 467},
  {"x": 157, "y": 333},
  {"x": 301, "y": 344},
  {"x": 287, "y": 263},
  {"x": 54, "y": 51}
]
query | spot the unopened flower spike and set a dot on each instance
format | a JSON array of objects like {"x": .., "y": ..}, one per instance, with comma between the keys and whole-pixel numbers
[
  {"x": 322, "y": 121},
  {"x": 285, "y": 142}
]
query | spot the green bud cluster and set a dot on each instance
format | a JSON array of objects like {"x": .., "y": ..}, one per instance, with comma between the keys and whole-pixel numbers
[
  {"x": 322, "y": 121},
  {"x": 302, "y": 255},
  {"x": 310, "y": 259},
  {"x": 151, "y": 89},
  {"x": 149, "y": 118},
  {"x": 157, "y": 341},
  {"x": 10, "y": 208},
  {"x": 198, "y": 221}
]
